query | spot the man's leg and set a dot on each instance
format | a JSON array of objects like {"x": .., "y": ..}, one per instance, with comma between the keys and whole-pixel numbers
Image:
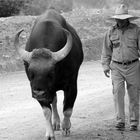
[
  {"x": 133, "y": 87},
  {"x": 133, "y": 94},
  {"x": 118, "y": 93}
]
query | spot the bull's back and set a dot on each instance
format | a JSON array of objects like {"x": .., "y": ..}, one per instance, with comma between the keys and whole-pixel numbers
[{"x": 51, "y": 15}]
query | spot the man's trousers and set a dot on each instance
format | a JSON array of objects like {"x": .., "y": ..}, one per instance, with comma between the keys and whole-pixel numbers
[{"x": 129, "y": 74}]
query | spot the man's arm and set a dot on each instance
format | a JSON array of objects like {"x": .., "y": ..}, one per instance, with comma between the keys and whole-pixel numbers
[
  {"x": 106, "y": 54},
  {"x": 139, "y": 40}
]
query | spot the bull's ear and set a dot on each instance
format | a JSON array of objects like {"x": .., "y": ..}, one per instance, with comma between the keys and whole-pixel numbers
[
  {"x": 26, "y": 56},
  {"x": 26, "y": 64},
  {"x": 61, "y": 54}
]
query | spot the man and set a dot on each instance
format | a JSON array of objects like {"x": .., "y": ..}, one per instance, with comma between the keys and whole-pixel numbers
[{"x": 120, "y": 54}]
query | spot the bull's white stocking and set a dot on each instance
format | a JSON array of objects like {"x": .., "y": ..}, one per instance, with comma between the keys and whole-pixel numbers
[
  {"x": 49, "y": 128},
  {"x": 56, "y": 118},
  {"x": 66, "y": 124}
]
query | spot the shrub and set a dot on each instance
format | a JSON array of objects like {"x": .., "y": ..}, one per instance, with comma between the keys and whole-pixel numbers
[
  {"x": 35, "y": 7},
  {"x": 62, "y": 5},
  {"x": 10, "y": 7},
  {"x": 32, "y": 7}
]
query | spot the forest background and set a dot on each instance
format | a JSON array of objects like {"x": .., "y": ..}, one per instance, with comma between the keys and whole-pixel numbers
[{"x": 88, "y": 17}]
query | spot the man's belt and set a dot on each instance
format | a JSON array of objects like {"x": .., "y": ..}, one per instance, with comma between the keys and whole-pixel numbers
[{"x": 126, "y": 63}]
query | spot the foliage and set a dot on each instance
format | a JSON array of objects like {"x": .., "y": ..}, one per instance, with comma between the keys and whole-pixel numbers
[
  {"x": 31, "y": 7},
  {"x": 62, "y": 5},
  {"x": 10, "y": 7},
  {"x": 133, "y": 4},
  {"x": 90, "y": 24},
  {"x": 35, "y": 7}
]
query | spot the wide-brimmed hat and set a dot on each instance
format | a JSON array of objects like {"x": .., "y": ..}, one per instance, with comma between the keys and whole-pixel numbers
[{"x": 121, "y": 12}]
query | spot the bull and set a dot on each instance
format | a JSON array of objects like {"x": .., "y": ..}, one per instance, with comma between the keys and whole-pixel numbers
[{"x": 52, "y": 58}]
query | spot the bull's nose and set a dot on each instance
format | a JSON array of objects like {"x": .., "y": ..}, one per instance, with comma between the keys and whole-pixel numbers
[{"x": 39, "y": 92}]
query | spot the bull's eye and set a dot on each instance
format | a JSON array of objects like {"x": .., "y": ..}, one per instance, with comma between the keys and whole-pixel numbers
[
  {"x": 31, "y": 74},
  {"x": 50, "y": 76}
]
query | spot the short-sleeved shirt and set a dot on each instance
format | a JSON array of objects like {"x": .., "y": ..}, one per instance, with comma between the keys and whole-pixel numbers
[{"x": 121, "y": 45}]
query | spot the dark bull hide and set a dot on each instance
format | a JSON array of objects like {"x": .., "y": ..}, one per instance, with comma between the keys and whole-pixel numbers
[{"x": 52, "y": 57}]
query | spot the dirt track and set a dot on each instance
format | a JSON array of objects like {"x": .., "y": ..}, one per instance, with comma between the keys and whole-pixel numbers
[{"x": 21, "y": 117}]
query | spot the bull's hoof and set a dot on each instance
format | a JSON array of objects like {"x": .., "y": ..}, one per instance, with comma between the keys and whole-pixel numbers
[
  {"x": 66, "y": 132},
  {"x": 66, "y": 125},
  {"x": 50, "y": 135},
  {"x": 49, "y": 138},
  {"x": 56, "y": 123},
  {"x": 56, "y": 126}
]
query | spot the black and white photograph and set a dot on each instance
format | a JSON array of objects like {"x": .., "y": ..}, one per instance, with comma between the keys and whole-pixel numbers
[{"x": 69, "y": 69}]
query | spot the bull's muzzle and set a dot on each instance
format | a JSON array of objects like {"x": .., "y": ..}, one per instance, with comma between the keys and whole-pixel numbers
[{"x": 38, "y": 94}]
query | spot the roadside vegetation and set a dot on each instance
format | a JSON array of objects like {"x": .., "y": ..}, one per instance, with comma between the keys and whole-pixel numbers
[{"x": 90, "y": 24}]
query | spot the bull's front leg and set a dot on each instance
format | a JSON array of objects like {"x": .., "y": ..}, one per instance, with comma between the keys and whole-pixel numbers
[
  {"x": 55, "y": 118},
  {"x": 66, "y": 123},
  {"x": 70, "y": 94},
  {"x": 49, "y": 128}
]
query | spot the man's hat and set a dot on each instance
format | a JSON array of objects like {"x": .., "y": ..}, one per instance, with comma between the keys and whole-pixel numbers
[{"x": 121, "y": 12}]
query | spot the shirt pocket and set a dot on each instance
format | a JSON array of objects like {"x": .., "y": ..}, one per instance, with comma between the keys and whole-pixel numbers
[
  {"x": 115, "y": 41},
  {"x": 131, "y": 40}
]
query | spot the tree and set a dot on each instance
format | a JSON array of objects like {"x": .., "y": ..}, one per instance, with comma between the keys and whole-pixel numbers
[{"x": 62, "y": 5}]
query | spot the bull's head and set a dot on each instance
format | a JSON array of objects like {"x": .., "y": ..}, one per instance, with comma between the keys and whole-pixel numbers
[{"x": 41, "y": 65}]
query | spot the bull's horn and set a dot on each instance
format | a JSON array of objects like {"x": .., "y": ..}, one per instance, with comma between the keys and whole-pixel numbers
[
  {"x": 61, "y": 54},
  {"x": 25, "y": 55}
]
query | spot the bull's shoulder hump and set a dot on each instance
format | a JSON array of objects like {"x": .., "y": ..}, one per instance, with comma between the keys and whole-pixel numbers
[{"x": 52, "y": 15}]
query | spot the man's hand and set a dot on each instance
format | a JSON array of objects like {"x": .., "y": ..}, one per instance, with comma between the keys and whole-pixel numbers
[{"x": 107, "y": 73}]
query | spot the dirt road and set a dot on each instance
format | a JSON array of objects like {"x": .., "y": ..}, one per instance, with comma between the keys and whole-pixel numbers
[{"x": 21, "y": 117}]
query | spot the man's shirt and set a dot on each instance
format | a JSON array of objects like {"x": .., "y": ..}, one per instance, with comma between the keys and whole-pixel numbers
[{"x": 121, "y": 45}]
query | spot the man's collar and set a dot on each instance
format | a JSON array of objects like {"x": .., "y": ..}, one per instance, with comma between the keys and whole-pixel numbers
[{"x": 128, "y": 25}]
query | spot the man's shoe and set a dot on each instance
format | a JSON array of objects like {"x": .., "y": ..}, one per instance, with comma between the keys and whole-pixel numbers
[
  {"x": 133, "y": 128},
  {"x": 120, "y": 126}
]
